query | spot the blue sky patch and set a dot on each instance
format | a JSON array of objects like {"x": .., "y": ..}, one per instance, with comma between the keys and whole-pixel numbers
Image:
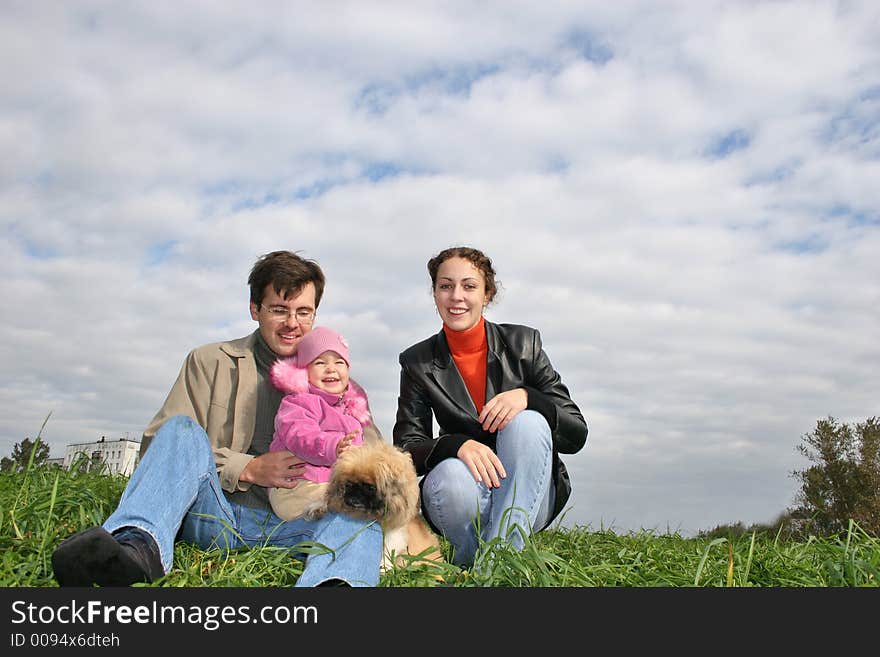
[
  {"x": 812, "y": 243},
  {"x": 854, "y": 217},
  {"x": 778, "y": 174},
  {"x": 376, "y": 171},
  {"x": 39, "y": 251},
  {"x": 376, "y": 98},
  {"x": 254, "y": 202},
  {"x": 557, "y": 164},
  {"x": 589, "y": 47},
  {"x": 160, "y": 252},
  {"x": 858, "y": 123},
  {"x": 735, "y": 140},
  {"x": 316, "y": 189},
  {"x": 456, "y": 81}
]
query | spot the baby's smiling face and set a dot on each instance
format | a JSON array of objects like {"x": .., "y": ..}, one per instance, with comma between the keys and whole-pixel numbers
[{"x": 329, "y": 372}]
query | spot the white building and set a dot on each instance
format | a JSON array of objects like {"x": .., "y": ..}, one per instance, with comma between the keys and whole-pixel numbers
[{"x": 115, "y": 456}]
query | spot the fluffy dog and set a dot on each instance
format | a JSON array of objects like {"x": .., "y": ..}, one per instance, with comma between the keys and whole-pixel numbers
[{"x": 377, "y": 481}]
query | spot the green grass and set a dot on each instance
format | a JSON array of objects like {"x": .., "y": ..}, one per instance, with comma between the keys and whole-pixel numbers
[{"x": 42, "y": 506}]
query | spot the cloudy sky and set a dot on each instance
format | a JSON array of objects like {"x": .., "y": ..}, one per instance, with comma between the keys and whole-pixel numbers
[{"x": 681, "y": 196}]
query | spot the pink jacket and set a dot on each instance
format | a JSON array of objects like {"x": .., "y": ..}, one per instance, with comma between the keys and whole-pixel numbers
[{"x": 311, "y": 423}]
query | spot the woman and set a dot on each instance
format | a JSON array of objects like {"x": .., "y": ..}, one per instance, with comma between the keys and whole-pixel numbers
[{"x": 503, "y": 412}]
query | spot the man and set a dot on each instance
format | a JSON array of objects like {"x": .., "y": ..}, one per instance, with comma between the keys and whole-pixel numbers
[{"x": 206, "y": 467}]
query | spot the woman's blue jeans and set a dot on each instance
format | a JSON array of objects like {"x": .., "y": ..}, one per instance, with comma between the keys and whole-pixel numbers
[
  {"x": 466, "y": 511},
  {"x": 175, "y": 494}
]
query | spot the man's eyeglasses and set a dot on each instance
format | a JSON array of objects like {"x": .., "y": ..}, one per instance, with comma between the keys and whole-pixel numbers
[{"x": 303, "y": 316}]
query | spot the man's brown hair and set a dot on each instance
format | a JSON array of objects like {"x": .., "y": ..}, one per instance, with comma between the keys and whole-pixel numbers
[{"x": 288, "y": 273}]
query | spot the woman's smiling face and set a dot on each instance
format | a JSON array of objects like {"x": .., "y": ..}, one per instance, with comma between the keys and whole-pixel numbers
[{"x": 460, "y": 293}]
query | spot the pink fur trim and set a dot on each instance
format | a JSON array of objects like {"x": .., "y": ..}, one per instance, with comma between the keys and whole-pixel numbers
[
  {"x": 356, "y": 406},
  {"x": 287, "y": 377}
]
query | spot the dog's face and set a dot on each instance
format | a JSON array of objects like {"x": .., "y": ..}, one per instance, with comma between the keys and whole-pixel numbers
[{"x": 375, "y": 481}]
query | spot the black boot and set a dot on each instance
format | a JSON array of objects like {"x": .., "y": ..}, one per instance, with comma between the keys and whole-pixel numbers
[
  {"x": 94, "y": 556},
  {"x": 333, "y": 581}
]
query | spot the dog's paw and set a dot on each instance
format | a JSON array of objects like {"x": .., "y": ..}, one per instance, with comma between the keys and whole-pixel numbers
[{"x": 315, "y": 510}]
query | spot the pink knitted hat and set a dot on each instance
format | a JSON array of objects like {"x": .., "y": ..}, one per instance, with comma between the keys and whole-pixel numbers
[{"x": 316, "y": 342}]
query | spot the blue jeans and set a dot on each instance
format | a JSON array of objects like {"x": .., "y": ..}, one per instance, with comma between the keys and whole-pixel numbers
[
  {"x": 175, "y": 494},
  {"x": 460, "y": 507}
]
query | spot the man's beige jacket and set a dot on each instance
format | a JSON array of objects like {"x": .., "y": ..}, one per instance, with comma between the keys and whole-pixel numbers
[{"x": 217, "y": 387}]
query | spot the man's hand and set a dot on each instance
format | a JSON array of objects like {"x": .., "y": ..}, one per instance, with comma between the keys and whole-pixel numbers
[{"x": 278, "y": 469}]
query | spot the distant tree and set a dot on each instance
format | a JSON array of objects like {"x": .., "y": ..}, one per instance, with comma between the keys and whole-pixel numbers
[
  {"x": 868, "y": 515},
  {"x": 843, "y": 482},
  {"x": 21, "y": 455}
]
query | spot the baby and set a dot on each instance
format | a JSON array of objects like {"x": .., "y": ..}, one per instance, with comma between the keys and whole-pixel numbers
[{"x": 319, "y": 418}]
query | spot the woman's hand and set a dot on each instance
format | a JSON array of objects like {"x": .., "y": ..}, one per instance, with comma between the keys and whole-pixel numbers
[
  {"x": 502, "y": 408},
  {"x": 483, "y": 463}
]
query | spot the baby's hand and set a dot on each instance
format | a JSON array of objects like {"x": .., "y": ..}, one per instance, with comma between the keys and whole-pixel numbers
[{"x": 346, "y": 443}]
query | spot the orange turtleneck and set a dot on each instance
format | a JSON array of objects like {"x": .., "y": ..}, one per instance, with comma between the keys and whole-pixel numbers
[{"x": 470, "y": 350}]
